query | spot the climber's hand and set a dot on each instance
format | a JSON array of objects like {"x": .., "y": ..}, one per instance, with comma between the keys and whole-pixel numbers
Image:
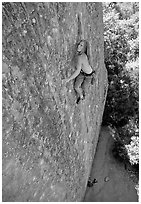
[{"x": 64, "y": 81}]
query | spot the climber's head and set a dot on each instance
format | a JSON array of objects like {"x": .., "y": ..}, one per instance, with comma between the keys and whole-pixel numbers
[{"x": 82, "y": 47}]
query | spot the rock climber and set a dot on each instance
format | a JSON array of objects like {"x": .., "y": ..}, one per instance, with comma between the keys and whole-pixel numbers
[{"x": 84, "y": 72}]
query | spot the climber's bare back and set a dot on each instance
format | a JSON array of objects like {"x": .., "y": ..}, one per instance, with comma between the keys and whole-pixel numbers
[{"x": 85, "y": 66}]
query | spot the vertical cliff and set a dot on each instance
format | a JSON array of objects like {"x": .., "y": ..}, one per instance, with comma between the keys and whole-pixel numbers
[{"x": 48, "y": 140}]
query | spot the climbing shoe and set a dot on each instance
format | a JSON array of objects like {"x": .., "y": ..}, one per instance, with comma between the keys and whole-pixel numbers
[{"x": 79, "y": 99}]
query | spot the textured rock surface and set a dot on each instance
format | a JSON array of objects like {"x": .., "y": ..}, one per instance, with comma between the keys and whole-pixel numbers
[{"x": 48, "y": 140}]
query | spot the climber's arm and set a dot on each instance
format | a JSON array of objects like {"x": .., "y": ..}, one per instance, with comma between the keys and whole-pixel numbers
[
  {"x": 80, "y": 31},
  {"x": 89, "y": 55},
  {"x": 76, "y": 73}
]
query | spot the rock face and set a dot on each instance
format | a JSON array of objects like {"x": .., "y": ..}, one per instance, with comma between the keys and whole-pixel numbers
[{"x": 49, "y": 141}]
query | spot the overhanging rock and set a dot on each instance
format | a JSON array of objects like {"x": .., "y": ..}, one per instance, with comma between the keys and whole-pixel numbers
[{"x": 48, "y": 140}]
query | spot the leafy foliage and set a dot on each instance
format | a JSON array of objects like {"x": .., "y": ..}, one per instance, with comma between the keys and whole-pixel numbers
[{"x": 121, "y": 44}]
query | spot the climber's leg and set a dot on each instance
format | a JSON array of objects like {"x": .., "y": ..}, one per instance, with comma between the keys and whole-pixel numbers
[
  {"x": 93, "y": 79},
  {"x": 77, "y": 86},
  {"x": 86, "y": 83}
]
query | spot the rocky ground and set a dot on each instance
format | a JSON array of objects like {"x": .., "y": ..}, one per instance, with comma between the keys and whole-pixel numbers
[{"x": 114, "y": 183}]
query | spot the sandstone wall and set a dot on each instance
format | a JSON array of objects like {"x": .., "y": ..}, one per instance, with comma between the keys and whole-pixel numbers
[{"x": 48, "y": 140}]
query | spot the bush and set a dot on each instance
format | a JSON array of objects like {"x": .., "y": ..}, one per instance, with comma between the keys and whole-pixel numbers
[{"x": 121, "y": 45}]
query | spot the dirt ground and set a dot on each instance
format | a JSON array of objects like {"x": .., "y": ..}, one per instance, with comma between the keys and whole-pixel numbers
[{"x": 114, "y": 183}]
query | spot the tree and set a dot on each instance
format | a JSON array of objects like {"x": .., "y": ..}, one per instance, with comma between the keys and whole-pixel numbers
[{"x": 121, "y": 44}]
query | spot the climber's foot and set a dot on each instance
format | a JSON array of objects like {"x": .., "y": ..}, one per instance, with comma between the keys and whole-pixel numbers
[
  {"x": 79, "y": 99},
  {"x": 83, "y": 97}
]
